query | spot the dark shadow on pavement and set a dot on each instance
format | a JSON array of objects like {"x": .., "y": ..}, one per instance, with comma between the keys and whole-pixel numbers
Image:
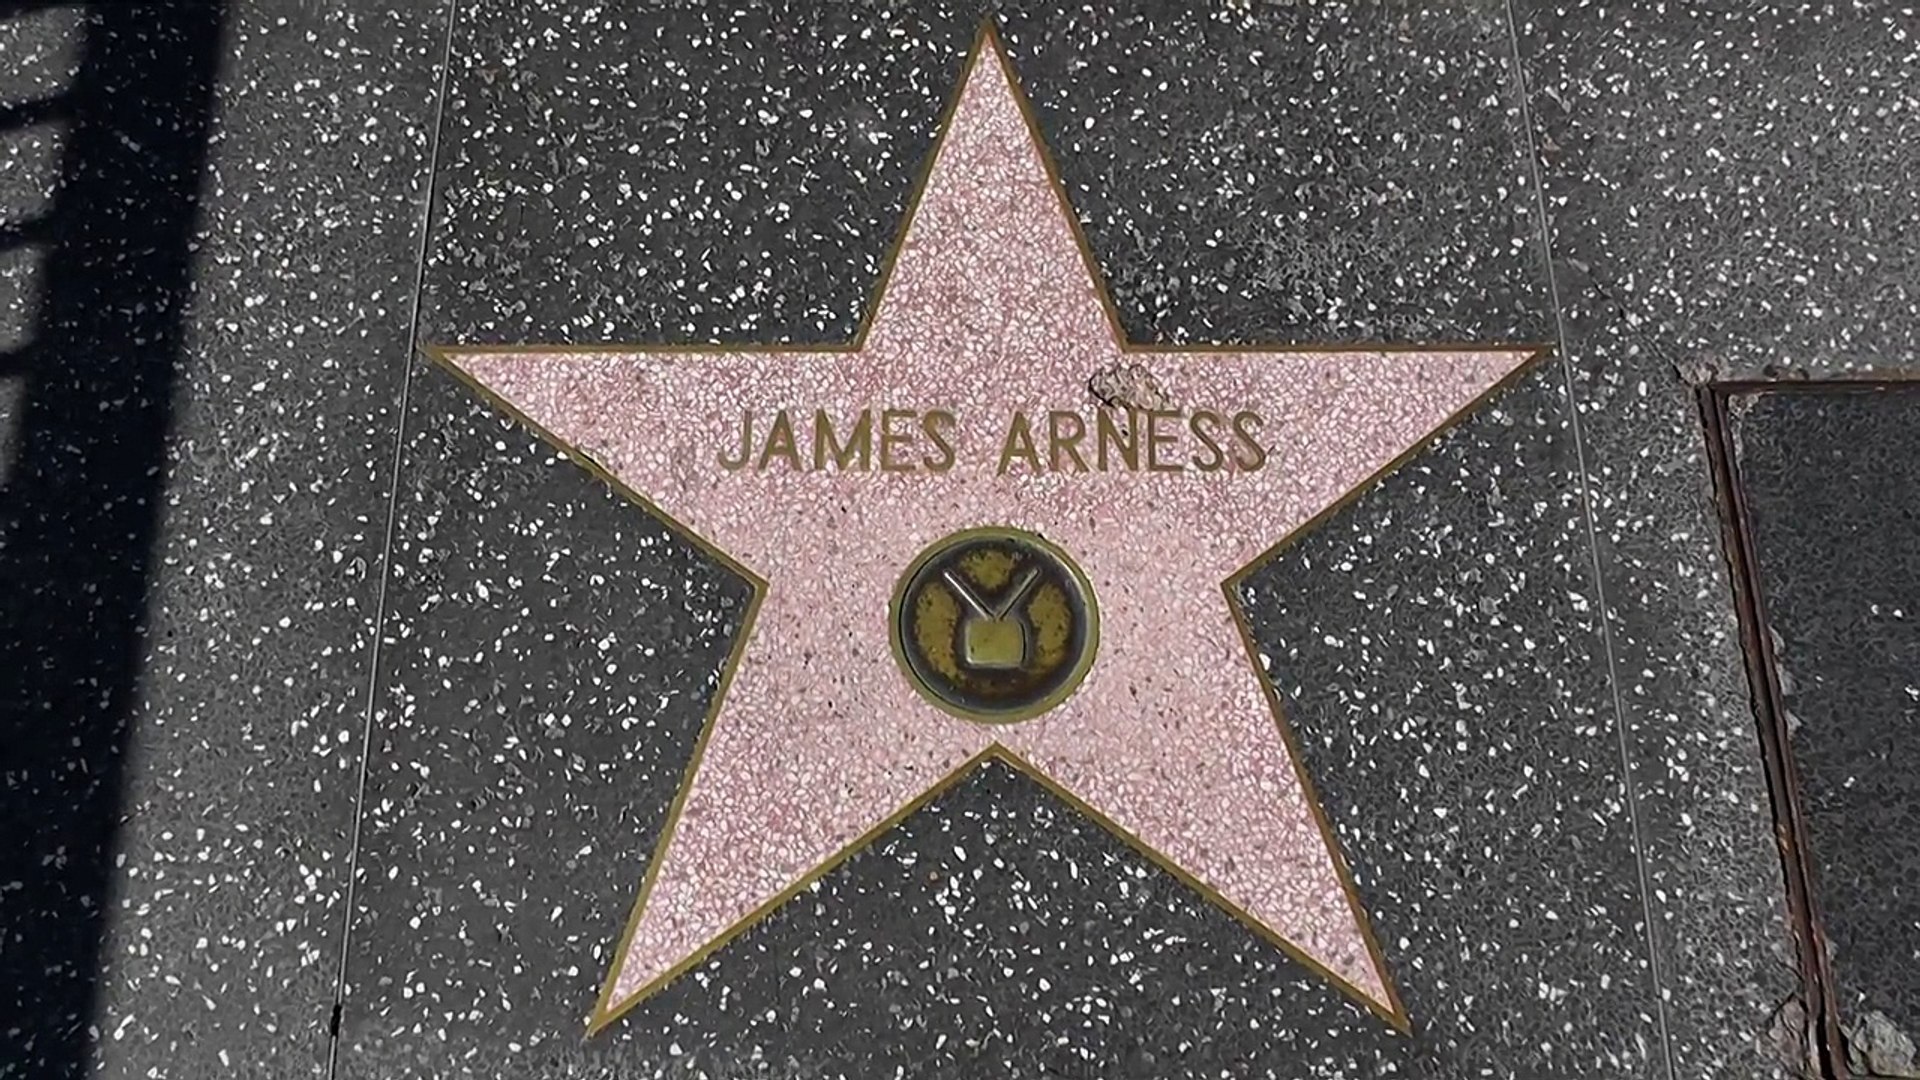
[{"x": 80, "y": 508}]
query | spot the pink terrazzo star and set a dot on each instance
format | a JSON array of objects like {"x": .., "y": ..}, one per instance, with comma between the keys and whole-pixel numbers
[{"x": 819, "y": 742}]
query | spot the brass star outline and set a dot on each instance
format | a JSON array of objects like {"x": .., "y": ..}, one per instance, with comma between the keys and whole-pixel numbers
[{"x": 606, "y": 1010}]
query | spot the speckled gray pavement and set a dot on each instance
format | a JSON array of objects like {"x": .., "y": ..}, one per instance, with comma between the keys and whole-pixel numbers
[
  {"x": 178, "y": 845},
  {"x": 414, "y": 691}
]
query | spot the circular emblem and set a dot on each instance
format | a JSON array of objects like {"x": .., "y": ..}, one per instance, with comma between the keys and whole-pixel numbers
[{"x": 994, "y": 625}]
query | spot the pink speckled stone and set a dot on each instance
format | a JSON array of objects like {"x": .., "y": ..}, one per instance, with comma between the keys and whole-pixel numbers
[{"x": 820, "y": 737}]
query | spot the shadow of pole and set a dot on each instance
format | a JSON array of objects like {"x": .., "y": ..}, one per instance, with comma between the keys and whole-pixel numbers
[{"x": 81, "y": 509}]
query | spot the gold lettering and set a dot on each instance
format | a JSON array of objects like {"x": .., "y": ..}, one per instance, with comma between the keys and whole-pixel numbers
[
  {"x": 938, "y": 425},
  {"x": 1245, "y": 424},
  {"x": 1019, "y": 432},
  {"x": 890, "y": 439},
  {"x": 1060, "y": 438},
  {"x": 746, "y": 444},
  {"x": 1156, "y": 438},
  {"x": 1198, "y": 423},
  {"x": 1218, "y": 440},
  {"x": 1128, "y": 442},
  {"x": 859, "y": 444},
  {"x": 780, "y": 443}
]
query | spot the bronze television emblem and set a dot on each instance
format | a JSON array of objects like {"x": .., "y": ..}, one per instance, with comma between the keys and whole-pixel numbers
[{"x": 994, "y": 625}]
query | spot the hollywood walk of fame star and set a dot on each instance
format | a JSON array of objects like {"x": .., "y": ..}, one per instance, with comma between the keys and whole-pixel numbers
[{"x": 817, "y": 741}]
